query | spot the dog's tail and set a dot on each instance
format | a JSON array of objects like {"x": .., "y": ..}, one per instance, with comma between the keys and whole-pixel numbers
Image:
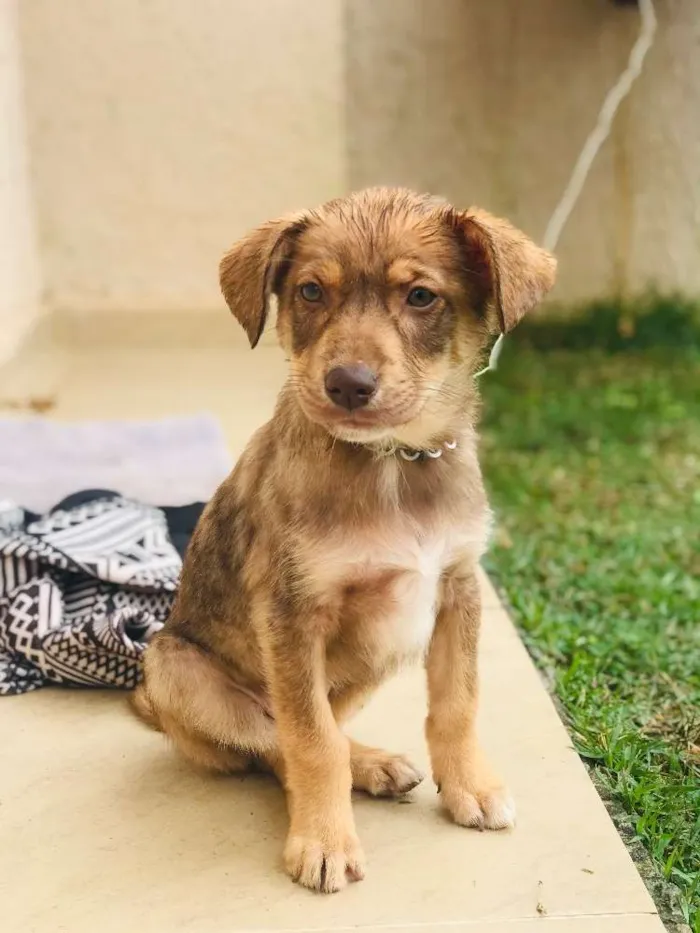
[{"x": 142, "y": 708}]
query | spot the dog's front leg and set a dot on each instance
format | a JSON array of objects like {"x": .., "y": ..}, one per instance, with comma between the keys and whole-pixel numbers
[
  {"x": 470, "y": 791},
  {"x": 322, "y": 848}
]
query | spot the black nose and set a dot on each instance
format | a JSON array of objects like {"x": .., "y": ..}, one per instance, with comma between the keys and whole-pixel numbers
[{"x": 351, "y": 386}]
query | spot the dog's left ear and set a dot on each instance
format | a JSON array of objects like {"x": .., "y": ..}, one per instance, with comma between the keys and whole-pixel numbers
[
  {"x": 253, "y": 270},
  {"x": 512, "y": 273}
]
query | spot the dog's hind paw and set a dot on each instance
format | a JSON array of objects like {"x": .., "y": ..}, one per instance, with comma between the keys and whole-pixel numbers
[{"x": 382, "y": 774}]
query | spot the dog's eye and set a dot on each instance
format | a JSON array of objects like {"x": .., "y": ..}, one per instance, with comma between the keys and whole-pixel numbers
[
  {"x": 310, "y": 291},
  {"x": 420, "y": 297}
]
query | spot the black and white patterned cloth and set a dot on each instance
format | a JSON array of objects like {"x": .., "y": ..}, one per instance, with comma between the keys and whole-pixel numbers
[{"x": 84, "y": 588}]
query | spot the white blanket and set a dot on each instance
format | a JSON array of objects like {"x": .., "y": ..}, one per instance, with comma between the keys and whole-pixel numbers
[{"x": 172, "y": 461}]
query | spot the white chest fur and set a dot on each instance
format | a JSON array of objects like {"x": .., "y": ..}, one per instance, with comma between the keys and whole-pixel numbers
[
  {"x": 410, "y": 624},
  {"x": 414, "y": 562}
]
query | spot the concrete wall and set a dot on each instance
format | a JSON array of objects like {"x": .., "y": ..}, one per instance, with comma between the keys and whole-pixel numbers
[
  {"x": 490, "y": 103},
  {"x": 162, "y": 129},
  {"x": 19, "y": 279}
]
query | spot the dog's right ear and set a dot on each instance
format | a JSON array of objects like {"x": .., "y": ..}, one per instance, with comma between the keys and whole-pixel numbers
[{"x": 253, "y": 270}]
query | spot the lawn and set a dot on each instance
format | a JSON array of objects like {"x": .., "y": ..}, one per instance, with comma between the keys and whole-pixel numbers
[{"x": 592, "y": 458}]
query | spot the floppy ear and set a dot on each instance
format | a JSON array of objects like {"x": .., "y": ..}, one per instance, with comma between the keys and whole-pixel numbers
[
  {"x": 513, "y": 274},
  {"x": 253, "y": 269}
]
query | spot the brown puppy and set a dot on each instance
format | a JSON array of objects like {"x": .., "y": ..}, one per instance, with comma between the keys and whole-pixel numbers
[{"x": 347, "y": 538}]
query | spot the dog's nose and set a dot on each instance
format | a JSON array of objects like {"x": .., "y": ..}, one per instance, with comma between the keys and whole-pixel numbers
[{"x": 351, "y": 386}]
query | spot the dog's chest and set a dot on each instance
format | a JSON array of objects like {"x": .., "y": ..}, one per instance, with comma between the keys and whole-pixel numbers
[{"x": 388, "y": 584}]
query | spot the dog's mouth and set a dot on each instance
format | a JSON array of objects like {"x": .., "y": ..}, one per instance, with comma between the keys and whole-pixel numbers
[
  {"x": 375, "y": 422},
  {"x": 356, "y": 433},
  {"x": 347, "y": 424}
]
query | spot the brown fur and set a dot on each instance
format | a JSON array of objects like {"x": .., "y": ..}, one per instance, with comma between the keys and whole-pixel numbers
[{"x": 326, "y": 560}]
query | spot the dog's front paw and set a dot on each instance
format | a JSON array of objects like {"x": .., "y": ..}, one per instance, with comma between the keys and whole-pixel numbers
[
  {"x": 487, "y": 807},
  {"x": 325, "y": 863},
  {"x": 382, "y": 774}
]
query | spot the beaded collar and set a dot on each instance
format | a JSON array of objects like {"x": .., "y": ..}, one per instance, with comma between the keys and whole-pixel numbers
[{"x": 433, "y": 453}]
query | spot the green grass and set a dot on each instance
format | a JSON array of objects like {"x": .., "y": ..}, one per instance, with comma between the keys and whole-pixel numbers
[{"x": 592, "y": 459}]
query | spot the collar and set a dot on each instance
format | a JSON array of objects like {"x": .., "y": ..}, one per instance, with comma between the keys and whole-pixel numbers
[
  {"x": 412, "y": 454},
  {"x": 432, "y": 453}
]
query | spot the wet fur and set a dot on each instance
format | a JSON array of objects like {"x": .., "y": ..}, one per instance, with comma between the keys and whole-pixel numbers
[{"x": 325, "y": 561}]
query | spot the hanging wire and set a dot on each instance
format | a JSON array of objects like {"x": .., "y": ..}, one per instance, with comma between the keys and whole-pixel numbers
[{"x": 592, "y": 145}]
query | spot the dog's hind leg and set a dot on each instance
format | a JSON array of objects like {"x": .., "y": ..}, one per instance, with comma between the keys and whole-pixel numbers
[
  {"x": 220, "y": 759},
  {"x": 217, "y": 726},
  {"x": 211, "y": 720},
  {"x": 381, "y": 773},
  {"x": 374, "y": 771},
  {"x": 142, "y": 708}
]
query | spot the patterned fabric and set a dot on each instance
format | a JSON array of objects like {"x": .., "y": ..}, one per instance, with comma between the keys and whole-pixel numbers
[{"x": 83, "y": 588}]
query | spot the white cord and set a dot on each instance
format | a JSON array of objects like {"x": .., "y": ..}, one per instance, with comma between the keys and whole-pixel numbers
[{"x": 591, "y": 147}]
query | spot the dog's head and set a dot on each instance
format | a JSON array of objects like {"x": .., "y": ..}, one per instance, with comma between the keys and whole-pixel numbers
[{"x": 386, "y": 300}]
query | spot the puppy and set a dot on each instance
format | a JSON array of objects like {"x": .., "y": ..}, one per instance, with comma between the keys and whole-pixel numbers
[{"x": 346, "y": 540}]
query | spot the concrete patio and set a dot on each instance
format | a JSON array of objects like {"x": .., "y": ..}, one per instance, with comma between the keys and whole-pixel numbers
[{"x": 104, "y": 828}]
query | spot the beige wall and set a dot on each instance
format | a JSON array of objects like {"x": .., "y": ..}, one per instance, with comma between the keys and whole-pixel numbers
[
  {"x": 161, "y": 130},
  {"x": 19, "y": 280},
  {"x": 491, "y": 102}
]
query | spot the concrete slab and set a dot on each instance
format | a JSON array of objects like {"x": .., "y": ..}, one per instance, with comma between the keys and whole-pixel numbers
[{"x": 105, "y": 828}]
